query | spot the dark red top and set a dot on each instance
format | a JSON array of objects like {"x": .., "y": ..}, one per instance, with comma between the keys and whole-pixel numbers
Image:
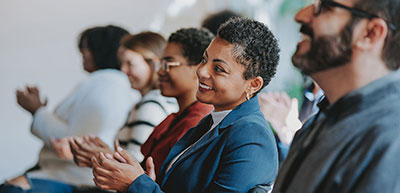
[{"x": 165, "y": 135}]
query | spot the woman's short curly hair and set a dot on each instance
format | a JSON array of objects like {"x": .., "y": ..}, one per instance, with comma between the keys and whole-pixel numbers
[
  {"x": 255, "y": 47},
  {"x": 194, "y": 42}
]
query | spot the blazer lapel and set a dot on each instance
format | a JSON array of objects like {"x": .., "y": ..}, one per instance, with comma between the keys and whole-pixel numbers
[
  {"x": 193, "y": 135},
  {"x": 209, "y": 137},
  {"x": 203, "y": 142},
  {"x": 188, "y": 139},
  {"x": 246, "y": 107}
]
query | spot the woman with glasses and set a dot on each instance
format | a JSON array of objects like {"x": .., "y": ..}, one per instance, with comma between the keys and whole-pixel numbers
[
  {"x": 139, "y": 56},
  {"x": 177, "y": 78},
  {"x": 230, "y": 150}
]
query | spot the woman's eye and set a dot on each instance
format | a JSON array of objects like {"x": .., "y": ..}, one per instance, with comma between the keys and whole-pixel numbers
[{"x": 218, "y": 69}]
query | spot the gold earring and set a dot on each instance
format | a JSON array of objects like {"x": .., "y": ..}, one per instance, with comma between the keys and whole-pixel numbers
[{"x": 247, "y": 96}]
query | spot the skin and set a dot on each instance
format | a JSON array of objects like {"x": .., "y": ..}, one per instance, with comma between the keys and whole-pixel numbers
[
  {"x": 29, "y": 99},
  {"x": 88, "y": 60},
  {"x": 137, "y": 69},
  {"x": 61, "y": 147},
  {"x": 320, "y": 25},
  {"x": 172, "y": 84},
  {"x": 368, "y": 40},
  {"x": 92, "y": 152},
  {"x": 179, "y": 81},
  {"x": 281, "y": 111},
  {"x": 86, "y": 147},
  {"x": 111, "y": 174},
  {"x": 221, "y": 78}
]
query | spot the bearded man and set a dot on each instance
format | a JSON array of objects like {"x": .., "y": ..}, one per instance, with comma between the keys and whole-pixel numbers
[{"x": 351, "y": 48}]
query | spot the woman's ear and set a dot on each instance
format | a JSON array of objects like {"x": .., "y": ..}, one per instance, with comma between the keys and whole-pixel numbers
[{"x": 255, "y": 85}]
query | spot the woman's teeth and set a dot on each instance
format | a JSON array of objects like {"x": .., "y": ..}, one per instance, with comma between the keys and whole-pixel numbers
[{"x": 205, "y": 86}]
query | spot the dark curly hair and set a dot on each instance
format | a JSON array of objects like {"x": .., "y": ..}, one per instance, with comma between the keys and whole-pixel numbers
[
  {"x": 255, "y": 47},
  {"x": 194, "y": 42},
  {"x": 213, "y": 21},
  {"x": 103, "y": 44}
]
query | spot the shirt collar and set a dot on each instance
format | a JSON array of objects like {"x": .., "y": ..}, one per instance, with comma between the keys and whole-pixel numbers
[{"x": 217, "y": 117}]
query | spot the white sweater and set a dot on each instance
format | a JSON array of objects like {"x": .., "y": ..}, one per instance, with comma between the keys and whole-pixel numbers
[
  {"x": 98, "y": 106},
  {"x": 148, "y": 113}
]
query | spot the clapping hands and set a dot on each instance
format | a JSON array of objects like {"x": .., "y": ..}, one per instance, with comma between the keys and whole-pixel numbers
[
  {"x": 61, "y": 147},
  {"x": 86, "y": 147},
  {"x": 282, "y": 112},
  {"x": 117, "y": 171}
]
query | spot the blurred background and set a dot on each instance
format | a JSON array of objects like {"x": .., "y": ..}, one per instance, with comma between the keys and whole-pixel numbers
[{"x": 38, "y": 46}]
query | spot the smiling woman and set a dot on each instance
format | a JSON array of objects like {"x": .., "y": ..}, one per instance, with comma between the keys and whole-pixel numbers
[
  {"x": 139, "y": 56},
  {"x": 221, "y": 78},
  {"x": 230, "y": 150},
  {"x": 97, "y": 106}
]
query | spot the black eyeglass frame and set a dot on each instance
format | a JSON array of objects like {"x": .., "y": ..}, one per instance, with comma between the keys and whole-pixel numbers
[{"x": 321, "y": 4}]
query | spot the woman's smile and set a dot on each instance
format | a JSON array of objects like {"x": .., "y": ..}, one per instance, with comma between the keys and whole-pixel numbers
[{"x": 204, "y": 88}]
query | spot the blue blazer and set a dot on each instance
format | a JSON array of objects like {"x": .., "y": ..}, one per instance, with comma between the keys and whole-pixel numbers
[{"x": 237, "y": 155}]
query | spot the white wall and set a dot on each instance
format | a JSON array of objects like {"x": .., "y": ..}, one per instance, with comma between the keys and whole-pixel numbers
[{"x": 38, "y": 46}]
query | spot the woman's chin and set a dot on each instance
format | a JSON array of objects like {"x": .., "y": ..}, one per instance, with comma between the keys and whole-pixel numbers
[{"x": 202, "y": 99}]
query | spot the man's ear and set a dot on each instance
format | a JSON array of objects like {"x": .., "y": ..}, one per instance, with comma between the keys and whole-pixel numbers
[{"x": 373, "y": 34}]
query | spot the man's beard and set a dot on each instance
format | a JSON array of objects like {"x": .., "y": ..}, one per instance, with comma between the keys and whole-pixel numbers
[{"x": 325, "y": 52}]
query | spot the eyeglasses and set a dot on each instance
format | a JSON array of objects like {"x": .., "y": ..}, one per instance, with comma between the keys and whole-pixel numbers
[
  {"x": 319, "y": 5},
  {"x": 166, "y": 65}
]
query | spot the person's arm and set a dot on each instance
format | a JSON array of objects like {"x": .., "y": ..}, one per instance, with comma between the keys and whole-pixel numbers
[
  {"x": 249, "y": 159},
  {"x": 282, "y": 113},
  {"x": 102, "y": 111}
]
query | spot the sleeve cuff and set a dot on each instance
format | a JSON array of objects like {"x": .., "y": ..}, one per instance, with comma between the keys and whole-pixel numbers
[
  {"x": 283, "y": 151},
  {"x": 143, "y": 184}
]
